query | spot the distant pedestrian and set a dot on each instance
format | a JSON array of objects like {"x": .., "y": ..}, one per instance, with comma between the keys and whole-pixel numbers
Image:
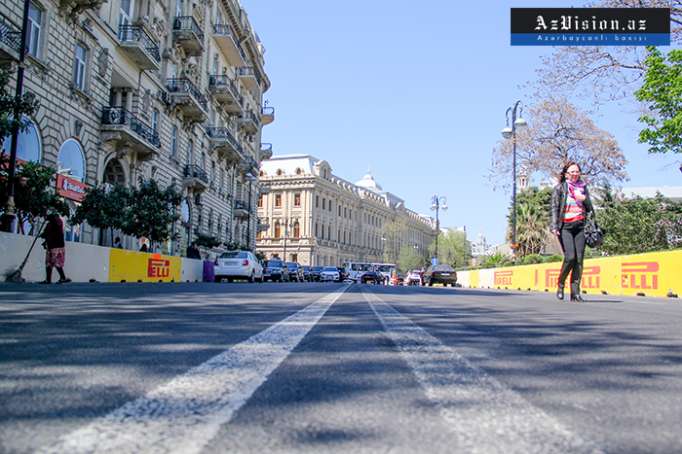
[
  {"x": 193, "y": 251},
  {"x": 144, "y": 247},
  {"x": 117, "y": 243},
  {"x": 571, "y": 206},
  {"x": 55, "y": 254}
]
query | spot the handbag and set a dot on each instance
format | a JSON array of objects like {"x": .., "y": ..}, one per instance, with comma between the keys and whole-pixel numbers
[{"x": 594, "y": 235}]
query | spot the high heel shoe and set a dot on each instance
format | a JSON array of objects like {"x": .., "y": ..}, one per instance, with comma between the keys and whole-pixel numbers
[
  {"x": 560, "y": 293},
  {"x": 575, "y": 294}
]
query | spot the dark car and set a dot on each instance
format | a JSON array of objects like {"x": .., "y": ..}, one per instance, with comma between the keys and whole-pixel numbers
[
  {"x": 315, "y": 273},
  {"x": 375, "y": 277},
  {"x": 273, "y": 270},
  {"x": 443, "y": 274},
  {"x": 295, "y": 272},
  {"x": 342, "y": 274},
  {"x": 306, "y": 273}
]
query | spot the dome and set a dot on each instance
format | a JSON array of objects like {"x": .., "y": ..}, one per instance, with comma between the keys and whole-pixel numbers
[{"x": 368, "y": 182}]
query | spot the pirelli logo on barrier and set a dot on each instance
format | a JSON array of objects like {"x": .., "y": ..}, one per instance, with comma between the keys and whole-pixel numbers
[
  {"x": 591, "y": 278},
  {"x": 504, "y": 277},
  {"x": 158, "y": 267},
  {"x": 639, "y": 275}
]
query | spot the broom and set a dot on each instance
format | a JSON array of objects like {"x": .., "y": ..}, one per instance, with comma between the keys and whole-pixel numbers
[{"x": 15, "y": 276}]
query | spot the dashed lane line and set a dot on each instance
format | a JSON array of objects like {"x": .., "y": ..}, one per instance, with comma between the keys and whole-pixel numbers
[
  {"x": 485, "y": 416},
  {"x": 183, "y": 415}
]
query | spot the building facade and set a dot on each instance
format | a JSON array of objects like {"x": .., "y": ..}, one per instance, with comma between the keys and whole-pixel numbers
[
  {"x": 164, "y": 89},
  {"x": 309, "y": 215}
]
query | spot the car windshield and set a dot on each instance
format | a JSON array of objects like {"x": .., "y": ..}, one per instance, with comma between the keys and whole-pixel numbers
[
  {"x": 306, "y": 268},
  {"x": 330, "y": 268},
  {"x": 316, "y": 268},
  {"x": 446, "y": 268},
  {"x": 234, "y": 255},
  {"x": 384, "y": 268},
  {"x": 274, "y": 263},
  {"x": 360, "y": 266},
  {"x": 292, "y": 266}
]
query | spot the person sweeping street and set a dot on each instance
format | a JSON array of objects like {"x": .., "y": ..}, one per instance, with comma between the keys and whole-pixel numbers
[{"x": 55, "y": 253}]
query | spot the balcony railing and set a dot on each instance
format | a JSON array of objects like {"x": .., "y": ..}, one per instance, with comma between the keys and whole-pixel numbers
[
  {"x": 241, "y": 205},
  {"x": 120, "y": 116},
  {"x": 267, "y": 115},
  {"x": 188, "y": 24},
  {"x": 223, "y": 81},
  {"x": 223, "y": 133},
  {"x": 224, "y": 31},
  {"x": 265, "y": 151},
  {"x": 136, "y": 34},
  {"x": 10, "y": 38},
  {"x": 194, "y": 171},
  {"x": 187, "y": 87},
  {"x": 246, "y": 71}
]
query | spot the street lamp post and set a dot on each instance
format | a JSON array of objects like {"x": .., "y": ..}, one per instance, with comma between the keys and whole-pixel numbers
[
  {"x": 10, "y": 207},
  {"x": 510, "y": 133},
  {"x": 438, "y": 203}
]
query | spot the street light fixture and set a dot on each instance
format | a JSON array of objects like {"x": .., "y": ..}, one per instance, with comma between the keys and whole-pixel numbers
[
  {"x": 438, "y": 203},
  {"x": 510, "y": 133}
]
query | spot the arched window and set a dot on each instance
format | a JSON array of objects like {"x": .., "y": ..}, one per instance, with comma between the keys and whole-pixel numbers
[
  {"x": 297, "y": 230},
  {"x": 113, "y": 173},
  {"x": 29, "y": 147},
  {"x": 278, "y": 230},
  {"x": 261, "y": 173},
  {"x": 71, "y": 160},
  {"x": 299, "y": 171},
  {"x": 279, "y": 172}
]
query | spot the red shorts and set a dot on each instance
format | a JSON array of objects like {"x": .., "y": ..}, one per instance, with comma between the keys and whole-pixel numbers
[{"x": 55, "y": 257}]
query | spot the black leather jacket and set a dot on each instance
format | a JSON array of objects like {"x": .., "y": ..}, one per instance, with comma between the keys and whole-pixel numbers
[{"x": 559, "y": 203}]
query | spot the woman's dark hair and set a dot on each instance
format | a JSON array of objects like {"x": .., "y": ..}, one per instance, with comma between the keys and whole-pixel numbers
[{"x": 562, "y": 175}]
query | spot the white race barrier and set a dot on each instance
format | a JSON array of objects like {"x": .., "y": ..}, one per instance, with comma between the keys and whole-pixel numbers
[{"x": 192, "y": 270}]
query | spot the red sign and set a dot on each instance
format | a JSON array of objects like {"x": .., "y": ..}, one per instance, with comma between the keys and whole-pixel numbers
[
  {"x": 70, "y": 188},
  {"x": 591, "y": 277},
  {"x": 503, "y": 277},
  {"x": 639, "y": 275},
  {"x": 158, "y": 267}
]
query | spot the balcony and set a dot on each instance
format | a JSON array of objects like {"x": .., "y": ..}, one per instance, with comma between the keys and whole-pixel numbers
[
  {"x": 265, "y": 151},
  {"x": 10, "y": 41},
  {"x": 127, "y": 131},
  {"x": 249, "y": 122},
  {"x": 267, "y": 115},
  {"x": 226, "y": 93},
  {"x": 228, "y": 44},
  {"x": 187, "y": 96},
  {"x": 188, "y": 34},
  {"x": 195, "y": 178},
  {"x": 248, "y": 77},
  {"x": 224, "y": 143},
  {"x": 139, "y": 46},
  {"x": 241, "y": 209}
]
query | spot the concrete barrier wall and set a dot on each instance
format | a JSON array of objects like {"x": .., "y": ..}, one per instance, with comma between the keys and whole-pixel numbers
[
  {"x": 192, "y": 270},
  {"x": 83, "y": 262},
  {"x": 650, "y": 274}
]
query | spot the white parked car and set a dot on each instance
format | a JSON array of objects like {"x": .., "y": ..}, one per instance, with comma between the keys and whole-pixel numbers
[
  {"x": 329, "y": 273},
  {"x": 238, "y": 265}
]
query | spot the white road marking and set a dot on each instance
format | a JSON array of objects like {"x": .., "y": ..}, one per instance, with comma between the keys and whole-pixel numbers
[
  {"x": 183, "y": 415},
  {"x": 486, "y": 416}
]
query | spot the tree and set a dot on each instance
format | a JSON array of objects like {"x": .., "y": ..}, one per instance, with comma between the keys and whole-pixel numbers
[
  {"x": 26, "y": 105},
  {"x": 410, "y": 259},
  {"x": 639, "y": 225},
  {"x": 662, "y": 91},
  {"x": 453, "y": 248},
  {"x": 606, "y": 73},
  {"x": 559, "y": 132},
  {"x": 105, "y": 208},
  {"x": 152, "y": 211},
  {"x": 34, "y": 196},
  {"x": 392, "y": 233},
  {"x": 208, "y": 241},
  {"x": 533, "y": 207}
]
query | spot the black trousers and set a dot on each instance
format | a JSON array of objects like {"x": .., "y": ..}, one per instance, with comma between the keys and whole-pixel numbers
[{"x": 572, "y": 239}]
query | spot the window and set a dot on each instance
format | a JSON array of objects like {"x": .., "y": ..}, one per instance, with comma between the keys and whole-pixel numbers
[
  {"x": 278, "y": 230},
  {"x": 279, "y": 172},
  {"x": 35, "y": 29},
  {"x": 297, "y": 200},
  {"x": 297, "y": 230},
  {"x": 260, "y": 201},
  {"x": 125, "y": 13},
  {"x": 317, "y": 229},
  {"x": 339, "y": 207},
  {"x": 330, "y": 206},
  {"x": 278, "y": 200},
  {"x": 317, "y": 201},
  {"x": 190, "y": 153},
  {"x": 155, "y": 120},
  {"x": 79, "y": 67},
  {"x": 210, "y": 220},
  {"x": 324, "y": 204},
  {"x": 71, "y": 160},
  {"x": 345, "y": 212},
  {"x": 29, "y": 147},
  {"x": 294, "y": 258},
  {"x": 299, "y": 171},
  {"x": 174, "y": 141}
]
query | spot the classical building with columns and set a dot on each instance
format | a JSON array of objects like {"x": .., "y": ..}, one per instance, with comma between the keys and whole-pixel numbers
[
  {"x": 311, "y": 216},
  {"x": 164, "y": 89}
]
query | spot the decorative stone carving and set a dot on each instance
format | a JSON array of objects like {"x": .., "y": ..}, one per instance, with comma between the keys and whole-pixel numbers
[
  {"x": 103, "y": 62},
  {"x": 73, "y": 8},
  {"x": 146, "y": 100}
]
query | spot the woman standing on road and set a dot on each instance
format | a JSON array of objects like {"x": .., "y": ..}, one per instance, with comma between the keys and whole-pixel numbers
[
  {"x": 571, "y": 205},
  {"x": 55, "y": 253}
]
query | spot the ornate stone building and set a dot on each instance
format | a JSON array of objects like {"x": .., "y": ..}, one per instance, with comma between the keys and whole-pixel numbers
[
  {"x": 163, "y": 89},
  {"x": 313, "y": 217}
]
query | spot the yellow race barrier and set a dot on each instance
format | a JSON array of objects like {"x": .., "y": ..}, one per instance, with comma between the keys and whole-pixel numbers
[
  {"x": 131, "y": 266},
  {"x": 649, "y": 274}
]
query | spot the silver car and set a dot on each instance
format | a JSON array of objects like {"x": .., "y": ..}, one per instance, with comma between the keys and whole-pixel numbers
[
  {"x": 238, "y": 265},
  {"x": 329, "y": 273}
]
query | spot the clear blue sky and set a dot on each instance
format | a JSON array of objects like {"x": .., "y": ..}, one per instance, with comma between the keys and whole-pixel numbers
[{"x": 416, "y": 92}]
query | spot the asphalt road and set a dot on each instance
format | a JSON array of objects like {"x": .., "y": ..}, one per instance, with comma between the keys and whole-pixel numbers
[{"x": 212, "y": 368}]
